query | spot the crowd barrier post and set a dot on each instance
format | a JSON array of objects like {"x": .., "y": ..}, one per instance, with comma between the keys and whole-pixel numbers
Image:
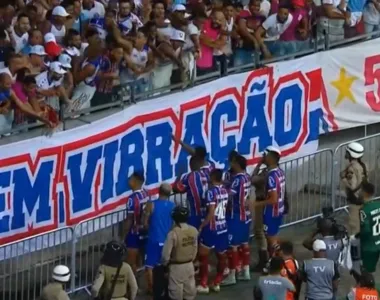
[
  {"x": 371, "y": 158},
  {"x": 27, "y": 264}
]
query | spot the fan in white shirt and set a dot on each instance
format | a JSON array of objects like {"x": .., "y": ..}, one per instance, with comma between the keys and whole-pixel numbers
[
  {"x": 18, "y": 34},
  {"x": 269, "y": 32},
  {"x": 93, "y": 9}
]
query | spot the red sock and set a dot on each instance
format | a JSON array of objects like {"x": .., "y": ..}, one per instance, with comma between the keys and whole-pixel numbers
[
  {"x": 203, "y": 269},
  {"x": 234, "y": 260},
  {"x": 222, "y": 263},
  {"x": 229, "y": 257},
  {"x": 245, "y": 255}
]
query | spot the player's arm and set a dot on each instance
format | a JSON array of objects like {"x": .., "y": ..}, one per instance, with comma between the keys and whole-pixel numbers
[
  {"x": 130, "y": 216},
  {"x": 187, "y": 147},
  {"x": 210, "y": 210},
  {"x": 148, "y": 212},
  {"x": 179, "y": 185},
  {"x": 272, "y": 196}
]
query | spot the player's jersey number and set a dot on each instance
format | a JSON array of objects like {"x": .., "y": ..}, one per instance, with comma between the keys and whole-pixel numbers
[
  {"x": 220, "y": 210},
  {"x": 376, "y": 226}
]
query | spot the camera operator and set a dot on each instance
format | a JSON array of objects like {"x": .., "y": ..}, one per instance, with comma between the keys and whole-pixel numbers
[{"x": 331, "y": 233}]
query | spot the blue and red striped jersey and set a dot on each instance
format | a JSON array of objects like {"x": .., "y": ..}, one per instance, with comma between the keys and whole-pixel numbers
[
  {"x": 276, "y": 182},
  {"x": 240, "y": 191},
  {"x": 194, "y": 185},
  {"x": 218, "y": 196},
  {"x": 135, "y": 205}
]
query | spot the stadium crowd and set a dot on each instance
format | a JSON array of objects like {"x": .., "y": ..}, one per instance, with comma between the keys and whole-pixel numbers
[
  {"x": 217, "y": 218},
  {"x": 60, "y": 57}
]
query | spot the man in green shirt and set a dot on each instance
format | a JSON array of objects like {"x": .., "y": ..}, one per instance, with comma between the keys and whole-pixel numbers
[{"x": 369, "y": 228}]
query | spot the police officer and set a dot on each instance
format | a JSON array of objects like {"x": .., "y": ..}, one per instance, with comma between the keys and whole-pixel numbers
[
  {"x": 115, "y": 279},
  {"x": 180, "y": 249},
  {"x": 351, "y": 179},
  {"x": 55, "y": 290},
  {"x": 320, "y": 274}
]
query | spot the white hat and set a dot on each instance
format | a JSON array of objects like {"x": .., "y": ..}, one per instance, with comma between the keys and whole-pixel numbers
[
  {"x": 178, "y": 7},
  {"x": 319, "y": 245},
  {"x": 61, "y": 273},
  {"x": 56, "y": 67},
  {"x": 272, "y": 149},
  {"x": 38, "y": 50},
  {"x": 178, "y": 35},
  {"x": 65, "y": 60},
  {"x": 49, "y": 38},
  {"x": 59, "y": 11},
  {"x": 355, "y": 150}
]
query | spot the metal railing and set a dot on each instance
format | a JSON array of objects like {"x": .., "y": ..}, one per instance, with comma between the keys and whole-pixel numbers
[{"x": 126, "y": 95}]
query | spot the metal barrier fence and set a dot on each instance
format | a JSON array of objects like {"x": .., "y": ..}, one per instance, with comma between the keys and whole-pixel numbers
[{"x": 26, "y": 265}]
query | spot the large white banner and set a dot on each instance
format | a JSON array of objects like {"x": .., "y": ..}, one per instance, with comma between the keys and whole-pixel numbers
[{"x": 46, "y": 183}]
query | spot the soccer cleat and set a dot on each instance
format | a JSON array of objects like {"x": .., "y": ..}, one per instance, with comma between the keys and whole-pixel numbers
[
  {"x": 230, "y": 279},
  {"x": 244, "y": 274},
  {"x": 216, "y": 288},
  {"x": 203, "y": 289}
]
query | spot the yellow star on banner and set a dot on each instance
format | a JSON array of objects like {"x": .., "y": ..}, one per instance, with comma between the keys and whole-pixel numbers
[{"x": 343, "y": 85}]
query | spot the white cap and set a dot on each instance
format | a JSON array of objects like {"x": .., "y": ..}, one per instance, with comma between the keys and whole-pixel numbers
[
  {"x": 355, "y": 150},
  {"x": 178, "y": 35},
  {"x": 179, "y": 7},
  {"x": 61, "y": 273},
  {"x": 49, "y": 37},
  {"x": 272, "y": 149},
  {"x": 56, "y": 67},
  {"x": 38, "y": 50},
  {"x": 65, "y": 60},
  {"x": 59, "y": 11},
  {"x": 319, "y": 245}
]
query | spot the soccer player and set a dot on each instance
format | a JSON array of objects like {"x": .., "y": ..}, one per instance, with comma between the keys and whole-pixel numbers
[
  {"x": 229, "y": 174},
  {"x": 206, "y": 165},
  {"x": 213, "y": 232},
  {"x": 134, "y": 239},
  {"x": 369, "y": 228},
  {"x": 193, "y": 185},
  {"x": 238, "y": 221},
  {"x": 274, "y": 205}
]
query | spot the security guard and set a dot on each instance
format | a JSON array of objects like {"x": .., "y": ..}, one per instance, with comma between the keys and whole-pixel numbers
[
  {"x": 115, "y": 279},
  {"x": 55, "y": 290},
  {"x": 352, "y": 178},
  {"x": 179, "y": 252}
]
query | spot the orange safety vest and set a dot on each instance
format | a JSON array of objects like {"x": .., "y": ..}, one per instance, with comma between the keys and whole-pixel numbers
[
  {"x": 362, "y": 293},
  {"x": 292, "y": 268}
]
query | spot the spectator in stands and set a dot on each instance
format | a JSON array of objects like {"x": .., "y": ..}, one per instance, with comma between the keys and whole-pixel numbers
[
  {"x": 68, "y": 80},
  {"x": 5, "y": 48},
  {"x": 56, "y": 24},
  {"x": 14, "y": 63},
  {"x": 35, "y": 38},
  {"x": 52, "y": 48},
  {"x": 248, "y": 21},
  {"x": 109, "y": 78},
  {"x": 79, "y": 19},
  {"x": 298, "y": 28},
  {"x": 93, "y": 9},
  {"x": 18, "y": 34},
  {"x": 37, "y": 56},
  {"x": 32, "y": 13},
  {"x": 334, "y": 17},
  {"x": 268, "y": 34},
  {"x": 211, "y": 38},
  {"x": 371, "y": 16},
  {"x": 25, "y": 90},
  {"x": 73, "y": 43},
  {"x": 355, "y": 11},
  {"x": 50, "y": 89}
]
